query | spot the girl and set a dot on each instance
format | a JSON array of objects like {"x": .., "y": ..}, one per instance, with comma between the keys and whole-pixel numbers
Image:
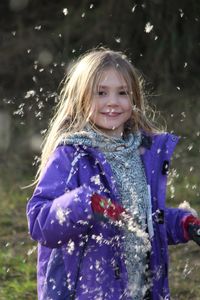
[{"x": 98, "y": 211}]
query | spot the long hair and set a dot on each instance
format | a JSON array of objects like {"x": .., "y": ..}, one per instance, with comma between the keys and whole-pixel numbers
[{"x": 75, "y": 99}]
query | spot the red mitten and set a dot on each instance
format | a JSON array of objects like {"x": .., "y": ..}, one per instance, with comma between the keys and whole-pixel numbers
[
  {"x": 191, "y": 227},
  {"x": 105, "y": 207}
]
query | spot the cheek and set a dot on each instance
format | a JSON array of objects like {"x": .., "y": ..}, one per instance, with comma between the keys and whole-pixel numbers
[
  {"x": 95, "y": 107},
  {"x": 128, "y": 107},
  {"x": 93, "y": 111}
]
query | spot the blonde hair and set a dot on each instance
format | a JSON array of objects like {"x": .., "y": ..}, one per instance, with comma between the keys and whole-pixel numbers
[{"x": 74, "y": 107}]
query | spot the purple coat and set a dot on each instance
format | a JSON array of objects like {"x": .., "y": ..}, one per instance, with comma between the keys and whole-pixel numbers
[{"x": 80, "y": 256}]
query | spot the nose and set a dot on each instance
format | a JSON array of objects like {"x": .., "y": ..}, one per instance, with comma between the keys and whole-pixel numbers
[{"x": 112, "y": 100}]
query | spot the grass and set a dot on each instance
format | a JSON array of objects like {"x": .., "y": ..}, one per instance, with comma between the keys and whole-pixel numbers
[
  {"x": 184, "y": 259},
  {"x": 18, "y": 252}
]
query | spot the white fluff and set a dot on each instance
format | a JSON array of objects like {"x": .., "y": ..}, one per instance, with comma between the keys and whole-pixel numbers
[{"x": 185, "y": 205}]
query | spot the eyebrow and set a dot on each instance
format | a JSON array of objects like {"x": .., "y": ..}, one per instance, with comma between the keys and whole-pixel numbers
[{"x": 120, "y": 87}]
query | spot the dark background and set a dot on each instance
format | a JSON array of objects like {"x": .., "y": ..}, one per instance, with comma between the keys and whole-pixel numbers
[{"x": 38, "y": 40}]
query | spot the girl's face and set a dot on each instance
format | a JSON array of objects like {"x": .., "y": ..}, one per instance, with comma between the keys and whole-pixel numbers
[{"x": 111, "y": 105}]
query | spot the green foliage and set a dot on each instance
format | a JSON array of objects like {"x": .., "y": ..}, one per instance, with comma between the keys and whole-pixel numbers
[
  {"x": 17, "y": 251},
  {"x": 17, "y": 275}
]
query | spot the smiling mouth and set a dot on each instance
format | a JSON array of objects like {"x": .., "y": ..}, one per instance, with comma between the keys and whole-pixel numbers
[{"x": 111, "y": 114}]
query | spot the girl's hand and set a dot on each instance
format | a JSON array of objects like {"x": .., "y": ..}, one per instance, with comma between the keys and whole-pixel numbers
[
  {"x": 107, "y": 208},
  {"x": 191, "y": 226}
]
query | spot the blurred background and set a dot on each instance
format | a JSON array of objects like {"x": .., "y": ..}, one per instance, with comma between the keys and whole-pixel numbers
[{"x": 38, "y": 41}]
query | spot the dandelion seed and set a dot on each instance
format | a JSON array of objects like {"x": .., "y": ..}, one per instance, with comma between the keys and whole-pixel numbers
[
  {"x": 186, "y": 206},
  {"x": 38, "y": 27},
  {"x": 40, "y": 105},
  {"x": 91, "y": 6},
  {"x": 172, "y": 190},
  {"x": 134, "y": 7},
  {"x": 148, "y": 27},
  {"x": 159, "y": 150},
  {"x": 181, "y": 12},
  {"x": 83, "y": 15},
  {"x": 38, "y": 114},
  {"x": 178, "y": 88},
  {"x": 29, "y": 94},
  {"x": 118, "y": 40},
  {"x": 65, "y": 11},
  {"x": 35, "y": 64},
  {"x": 183, "y": 114},
  {"x": 20, "y": 110},
  {"x": 60, "y": 215},
  {"x": 30, "y": 251},
  {"x": 190, "y": 147},
  {"x": 187, "y": 270},
  {"x": 70, "y": 247},
  {"x": 185, "y": 64},
  {"x": 96, "y": 179}
]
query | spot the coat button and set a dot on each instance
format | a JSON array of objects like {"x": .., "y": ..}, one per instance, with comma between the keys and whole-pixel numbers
[{"x": 174, "y": 138}]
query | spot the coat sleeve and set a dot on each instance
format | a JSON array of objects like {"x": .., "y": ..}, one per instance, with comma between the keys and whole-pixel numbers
[
  {"x": 174, "y": 227},
  {"x": 56, "y": 212}
]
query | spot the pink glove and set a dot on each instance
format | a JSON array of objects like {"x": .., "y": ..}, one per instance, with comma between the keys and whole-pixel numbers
[{"x": 107, "y": 208}]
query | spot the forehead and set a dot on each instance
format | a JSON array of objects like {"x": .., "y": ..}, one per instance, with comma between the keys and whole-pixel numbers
[{"x": 111, "y": 77}]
